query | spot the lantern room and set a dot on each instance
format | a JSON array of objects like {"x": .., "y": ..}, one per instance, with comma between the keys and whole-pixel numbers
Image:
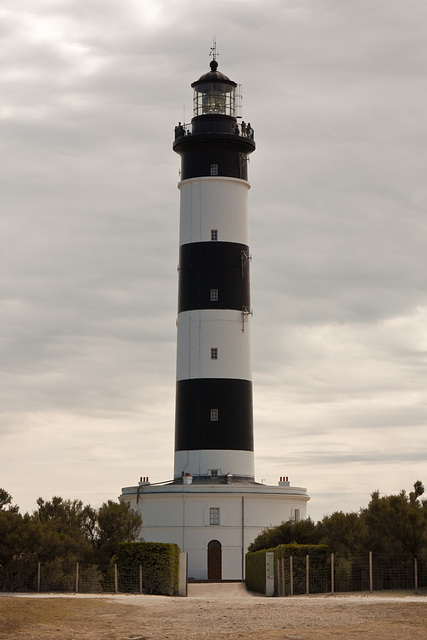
[{"x": 214, "y": 94}]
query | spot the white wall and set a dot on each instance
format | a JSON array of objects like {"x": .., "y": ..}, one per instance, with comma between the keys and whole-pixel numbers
[{"x": 179, "y": 516}]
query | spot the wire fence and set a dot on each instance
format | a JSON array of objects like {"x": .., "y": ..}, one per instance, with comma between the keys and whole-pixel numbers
[
  {"x": 69, "y": 577},
  {"x": 293, "y": 576},
  {"x": 338, "y": 574}
]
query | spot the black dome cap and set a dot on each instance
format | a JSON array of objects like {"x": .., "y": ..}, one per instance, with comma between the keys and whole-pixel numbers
[{"x": 214, "y": 76}]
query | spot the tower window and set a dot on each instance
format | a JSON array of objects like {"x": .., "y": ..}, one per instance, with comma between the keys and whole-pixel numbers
[
  {"x": 214, "y": 415},
  {"x": 214, "y": 235},
  {"x": 214, "y": 169},
  {"x": 214, "y": 295},
  {"x": 214, "y": 515},
  {"x": 214, "y": 353}
]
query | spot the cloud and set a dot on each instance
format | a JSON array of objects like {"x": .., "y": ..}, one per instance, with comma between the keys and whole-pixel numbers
[{"x": 91, "y": 92}]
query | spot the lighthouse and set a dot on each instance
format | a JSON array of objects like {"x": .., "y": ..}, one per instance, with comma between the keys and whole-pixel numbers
[
  {"x": 213, "y": 507},
  {"x": 214, "y": 414}
]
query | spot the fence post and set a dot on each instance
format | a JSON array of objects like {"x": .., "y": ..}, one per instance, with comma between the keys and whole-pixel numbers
[
  {"x": 416, "y": 574},
  {"x": 291, "y": 575},
  {"x": 116, "y": 579},
  {"x": 283, "y": 577},
  {"x": 332, "y": 575},
  {"x": 183, "y": 574},
  {"x": 277, "y": 578},
  {"x": 77, "y": 577},
  {"x": 371, "y": 583},
  {"x": 307, "y": 574},
  {"x": 38, "y": 576},
  {"x": 140, "y": 578}
]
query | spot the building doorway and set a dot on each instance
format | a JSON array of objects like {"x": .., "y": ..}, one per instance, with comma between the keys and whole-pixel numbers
[{"x": 214, "y": 560}]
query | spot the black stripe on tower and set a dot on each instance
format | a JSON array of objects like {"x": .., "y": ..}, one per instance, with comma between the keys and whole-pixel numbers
[
  {"x": 194, "y": 427},
  {"x": 212, "y": 142},
  {"x": 230, "y": 157},
  {"x": 208, "y": 266}
]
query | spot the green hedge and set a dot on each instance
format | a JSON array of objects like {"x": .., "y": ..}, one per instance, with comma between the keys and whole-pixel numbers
[
  {"x": 255, "y": 566},
  {"x": 255, "y": 570},
  {"x": 159, "y": 562}
]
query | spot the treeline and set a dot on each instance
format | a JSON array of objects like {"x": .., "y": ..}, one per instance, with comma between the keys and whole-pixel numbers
[
  {"x": 394, "y": 525},
  {"x": 64, "y": 529}
]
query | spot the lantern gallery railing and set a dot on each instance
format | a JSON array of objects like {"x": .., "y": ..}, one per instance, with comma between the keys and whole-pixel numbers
[{"x": 244, "y": 130}]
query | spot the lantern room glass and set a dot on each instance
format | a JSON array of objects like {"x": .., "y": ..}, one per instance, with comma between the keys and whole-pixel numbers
[{"x": 214, "y": 97}]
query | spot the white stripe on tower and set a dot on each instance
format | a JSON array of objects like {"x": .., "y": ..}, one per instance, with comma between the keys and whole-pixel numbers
[
  {"x": 222, "y": 330},
  {"x": 209, "y": 203}
]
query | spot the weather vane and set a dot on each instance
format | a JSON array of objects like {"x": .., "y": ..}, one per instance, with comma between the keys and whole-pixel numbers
[{"x": 213, "y": 51}]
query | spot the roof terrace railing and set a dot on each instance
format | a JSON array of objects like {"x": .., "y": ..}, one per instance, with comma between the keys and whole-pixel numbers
[{"x": 243, "y": 130}]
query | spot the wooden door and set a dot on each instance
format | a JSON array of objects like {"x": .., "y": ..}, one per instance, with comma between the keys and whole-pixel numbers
[{"x": 214, "y": 560}]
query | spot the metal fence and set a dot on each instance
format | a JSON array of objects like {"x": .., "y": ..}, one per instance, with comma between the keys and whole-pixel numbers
[
  {"x": 338, "y": 574},
  {"x": 293, "y": 576},
  {"x": 61, "y": 576}
]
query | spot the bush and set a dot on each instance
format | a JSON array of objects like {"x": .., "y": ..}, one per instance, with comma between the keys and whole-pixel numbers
[
  {"x": 19, "y": 575},
  {"x": 255, "y": 570},
  {"x": 159, "y": 561}
]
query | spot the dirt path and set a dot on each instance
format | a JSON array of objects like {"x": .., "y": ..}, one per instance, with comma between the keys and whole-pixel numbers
[
  {"x": 213, "y": 612},
  {"x": 223, "y": 590}
]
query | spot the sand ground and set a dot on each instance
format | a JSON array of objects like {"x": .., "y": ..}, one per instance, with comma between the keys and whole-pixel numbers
[{"x": 211, "y": 611}]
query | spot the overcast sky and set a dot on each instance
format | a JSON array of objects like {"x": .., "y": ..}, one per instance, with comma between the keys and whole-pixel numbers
[{"x": 90, "y": 93}]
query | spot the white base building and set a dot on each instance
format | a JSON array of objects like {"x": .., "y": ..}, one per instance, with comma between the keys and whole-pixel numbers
[{"x": 213, "y": 523}]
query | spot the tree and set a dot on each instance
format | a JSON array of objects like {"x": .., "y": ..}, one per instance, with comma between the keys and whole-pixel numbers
[
  {"x": 397, "y": 524},
  {"x": 69, "y": 528},
  {"x": 344, "y": 533},
  {"x": 68, "y": 515},
  {"x": 417, "y": 493},
  {"x": 6, "y": 501},
  {"x": 113, "y": 523},
  {"x": 59, "y": 533},
  {"x": 291, "y": 531},
  {"x": 13, "y": 529},
  {"x": 13, "y": 536},
  {"x": 59, "y": 529}
]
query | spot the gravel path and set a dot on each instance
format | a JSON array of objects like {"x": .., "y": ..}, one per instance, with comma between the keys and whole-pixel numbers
[{"x": 228, "y": 611}]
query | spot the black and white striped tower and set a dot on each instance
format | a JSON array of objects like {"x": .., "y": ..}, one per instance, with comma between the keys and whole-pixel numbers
[
  {"x": 214, "y": 508},
  {"x": 214, "y": 416}
]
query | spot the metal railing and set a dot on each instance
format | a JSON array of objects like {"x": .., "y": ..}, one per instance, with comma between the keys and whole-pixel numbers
[{"x": 186, "y": 130}]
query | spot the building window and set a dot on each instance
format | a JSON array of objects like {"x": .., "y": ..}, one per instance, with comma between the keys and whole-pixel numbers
[
  {"x": 214, "y": 295},
  {"x": 214, "y": 415},
  {"x": 214, "y": 169},
  {"x": 214, "y": 235},
  {"x": 214, "y": 473},
  {"x": 214, "y": 515},
  {"x": 214, "y": 353}
]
